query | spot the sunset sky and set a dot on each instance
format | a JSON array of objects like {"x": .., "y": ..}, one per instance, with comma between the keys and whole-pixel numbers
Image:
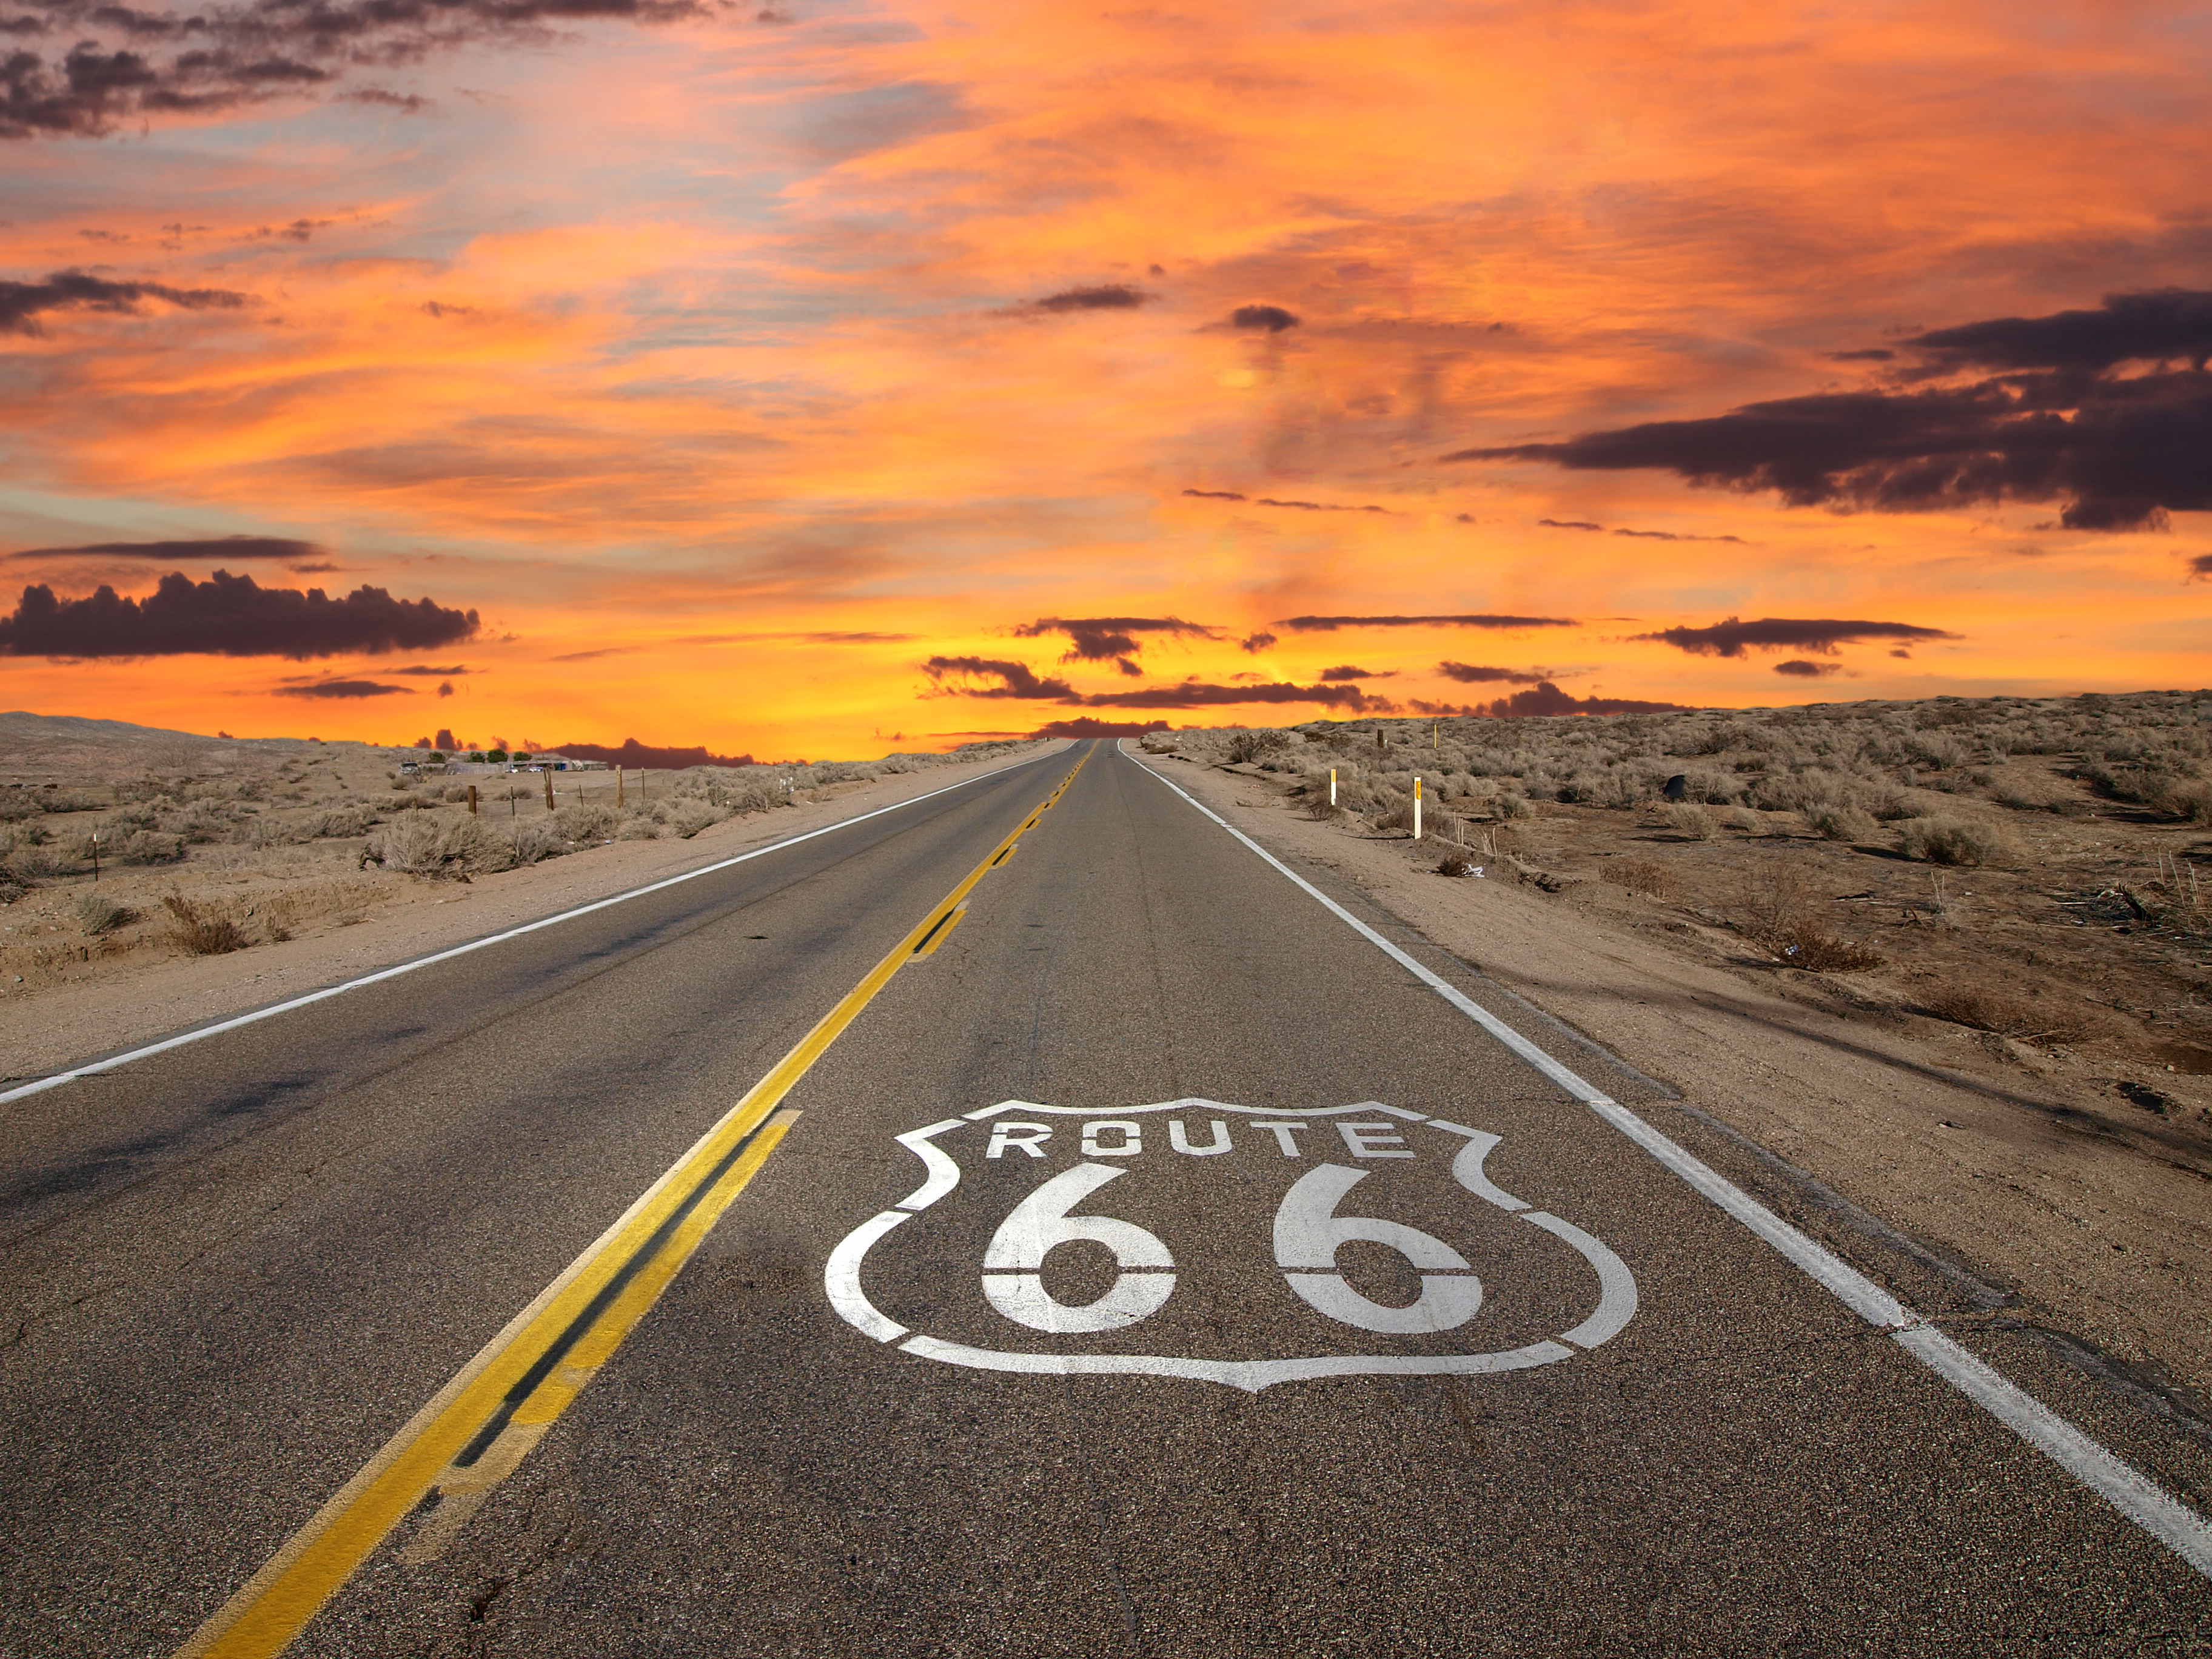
[{"x": 830, "y": 378}]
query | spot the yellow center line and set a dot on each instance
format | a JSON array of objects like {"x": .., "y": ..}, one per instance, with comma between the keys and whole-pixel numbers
[{"x": 475, "y": 1428}]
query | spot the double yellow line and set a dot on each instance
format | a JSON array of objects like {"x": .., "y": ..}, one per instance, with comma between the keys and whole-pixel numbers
[{"x": 481, "y": 1424}]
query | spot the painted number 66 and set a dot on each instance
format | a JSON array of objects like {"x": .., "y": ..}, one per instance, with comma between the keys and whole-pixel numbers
[{"x": 1308, "y": 1234}]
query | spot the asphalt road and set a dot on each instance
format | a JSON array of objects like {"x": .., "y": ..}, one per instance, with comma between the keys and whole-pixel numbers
[{"x": 1285, "y": 1311}]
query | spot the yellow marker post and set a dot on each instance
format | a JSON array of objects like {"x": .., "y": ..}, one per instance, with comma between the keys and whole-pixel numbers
[
  {"x": 1332, "y": 786},
  {"x": 1417, "y": 806}
]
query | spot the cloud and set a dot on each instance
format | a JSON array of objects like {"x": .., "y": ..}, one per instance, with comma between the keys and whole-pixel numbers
[
  {"x": 1330, "y": 624},
  {"x": 22, "y": 304},
  {"x": 1570, "y": 524},
  {"x": 1194, "y": 694},
  {"x": 635, "y": 754},
  {"x": 1349, "y": 671},
  {"x": 1546, "y": 698},
  {"x": 1014, "y": 680},
  {"x": 1670, "y": 536},
  {"x": 227, "y": 616},
  {"x": 344, "y": 690},
  {"x": 2055, "y": 423},
  {"x": 1274, "y": 318},
  {"x": 1110, "y": 296},
  {"x": 1798, "y": 668},
  {"x": 2161, "y": 326},
  {"x": 2200, "y": 568},
  {"x": 1730, "y": 638},
  {"x": 423, "y": 671},
  {"x": 1316, "y": 506},
  {"x": 126, "y": 65},
  {"x": 1087, "y": 725},
  {"x": 1216, "y": 495},
  {"x": 445, "y": 688},
  {"x": 1255, "y": 643},
  {"x": 214, "y": 547},
  {"x": 1467, "y": 673},
  {"x": 1111, "y": 639}
]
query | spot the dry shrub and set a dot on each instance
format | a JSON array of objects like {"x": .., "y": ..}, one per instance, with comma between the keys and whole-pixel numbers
[
  {"x": 1245, "y": 746},
  {"x": 1646, "y": 875},
  {"x": 1782, "y": 913},
  {"x": 1841, "y": 822},
  {"x": 1958, "y": 842},
  {"x": 1818, "y": 953},
  {"x": 1453, "y": 864},
  {"x": 1319, "y": 806},
  {"x": 202, "y": 930},
  {"x": 146, "y": 847},
  {"x": 440, "y": 844},
  {"x": 1508, "y": 807},
  {"x": 97, "y": 913},
  {"x": 1744, "y": 818},
  {"x": 1694, "y": 821}
]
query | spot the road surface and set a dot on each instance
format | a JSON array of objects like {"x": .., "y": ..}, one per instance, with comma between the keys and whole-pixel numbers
[{"x": 995, "y": 1228}]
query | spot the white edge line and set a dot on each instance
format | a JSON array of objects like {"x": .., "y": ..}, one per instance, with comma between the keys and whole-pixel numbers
[
  {"x": 233, "y": 1023},
  {"x": 2174, "y": 1524}
]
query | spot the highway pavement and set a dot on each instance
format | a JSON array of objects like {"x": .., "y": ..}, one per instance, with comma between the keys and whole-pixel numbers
[{"x": 985, "y": 1230}]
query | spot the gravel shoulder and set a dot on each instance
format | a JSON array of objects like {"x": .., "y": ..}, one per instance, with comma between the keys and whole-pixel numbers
[
  {"x": 2024, "y": 1168},
  {"x": 80, "y": 1010}
]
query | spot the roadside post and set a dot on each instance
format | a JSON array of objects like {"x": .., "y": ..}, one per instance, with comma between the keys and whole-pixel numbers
[
  {"x": 618, "y": 786},
  {"x": 1417, "y": 806},
  {"x": 548, "y": 776},
  {"x": 95, "y": 858},
  {"x": 472, "y": 800},
  {"x": 1332, "y": 786}
]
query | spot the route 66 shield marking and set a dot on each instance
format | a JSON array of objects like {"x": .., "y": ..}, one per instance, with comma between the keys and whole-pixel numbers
[{"x": 1267, "y": 1242}]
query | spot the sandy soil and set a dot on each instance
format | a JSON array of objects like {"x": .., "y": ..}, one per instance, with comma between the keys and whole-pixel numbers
[
  {"x": 2032, "y": 1166},
  {"x": 72, "y": 1003}
]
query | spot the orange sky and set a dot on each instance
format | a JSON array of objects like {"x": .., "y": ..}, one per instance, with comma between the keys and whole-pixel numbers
[{"x": 703, "y": 359}]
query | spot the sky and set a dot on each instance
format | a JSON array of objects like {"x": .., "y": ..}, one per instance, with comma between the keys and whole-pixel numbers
[{"x": 826, "y": 379}]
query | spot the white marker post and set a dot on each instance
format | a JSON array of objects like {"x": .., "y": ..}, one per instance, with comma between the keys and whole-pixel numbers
[
  {"x": 1417, "y": 806},
  {"x": 1332, "y": 786}
]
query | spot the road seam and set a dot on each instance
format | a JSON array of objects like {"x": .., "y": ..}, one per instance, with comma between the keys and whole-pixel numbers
[
  {"x": 478, "y": 1427},
  {"x": 2171, "y": 1522},
  {"x": 145, "y": 1051}
]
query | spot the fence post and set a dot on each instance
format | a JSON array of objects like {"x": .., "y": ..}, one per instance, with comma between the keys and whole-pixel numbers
[
  {"x": 618, "y": 786},
  {"x": 1332, "y": 786},
  {"x": 1417, "y": 806},
  {"x": 472, "y": 800},
  {"x": 548, "y": 776}
]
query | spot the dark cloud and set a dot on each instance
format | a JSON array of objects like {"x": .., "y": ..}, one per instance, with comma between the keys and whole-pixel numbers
[
  {"x": 344, "y": 690},
  {"x": 1798, "y": 668},
  {"x": 422, "y": 672},
  {"x": 314, "y": 568},
  {"x": 1274, "y": 318},
  {"x": 1731, "y": 638},
  {"x": 1546, "y": 698},
  {"x": 2169, "y": 325},
  {"x": 1871, "y": 354},
  {"x": 405, "y": 103},
  {"x": 129, "y": 65},
  {"x": 227, "y": 616},
  {"x": 1255, "y": 643},
  {"x": 955, "y": 676},
  {"x": 214, "y": 547},
  {"x": 1215, "y": 494},
  {"x": 1670, "y": 536},
  {"x": 1467, "y": 673},
  {"x": 1330, "y": 624},
  {"x": 1111, "y": 296},
  {"x": 445, "y": 688},
  {"x": 2200, "y": 566},
  {"x": 1569, "y": 524},
  {"x": 632, "y": 753},
  {"x": 1316, "y": 506},
  {"x": 1087, "y": 725},
  {"x": 2053, "y": 422},
  {"x": 1111, "y": 639},
  {"x": 22, "y": 303},
  {"x": 1349, "y": 671},
  {"x": 1193, "y": 693}
]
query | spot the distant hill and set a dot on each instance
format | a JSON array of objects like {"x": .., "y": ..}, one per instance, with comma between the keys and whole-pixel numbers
[{"x": 45, "y": 744}]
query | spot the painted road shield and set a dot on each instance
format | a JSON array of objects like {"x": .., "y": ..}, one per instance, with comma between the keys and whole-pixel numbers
[{"x": 1233, "y": 1244}]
